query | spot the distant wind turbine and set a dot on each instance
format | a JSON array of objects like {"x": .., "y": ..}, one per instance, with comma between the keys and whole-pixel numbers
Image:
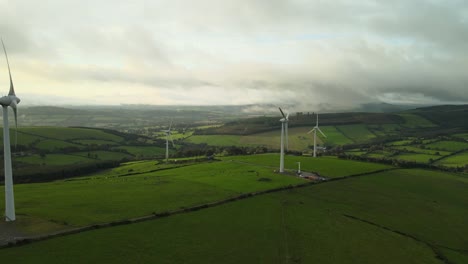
[
  {"x": 284, "y": 129},
  {"x": 315, "y": 129},
  {"x": 6, "y": 101},
  {"x": 168, "y": 136}
]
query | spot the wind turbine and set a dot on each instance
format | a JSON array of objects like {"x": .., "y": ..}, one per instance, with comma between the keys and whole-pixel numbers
[
  {"x": 315, "y": 129},
  {"x": 6, "y": 101},
  {"x": 168, "y": 135},
  {"x": 284, "y": 128}
]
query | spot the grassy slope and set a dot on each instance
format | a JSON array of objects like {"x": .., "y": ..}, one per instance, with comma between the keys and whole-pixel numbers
[
  {"x": 458, "y": 160},
  {"x": 306, "y": 225},
  {"x": 327, "y": 166},
  {"x": 104, "y": 198}
]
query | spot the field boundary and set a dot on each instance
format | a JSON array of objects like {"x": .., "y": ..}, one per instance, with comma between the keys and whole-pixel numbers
[
  {"x": 435, "y": 250},
  {"x": 20, "y": 241}
]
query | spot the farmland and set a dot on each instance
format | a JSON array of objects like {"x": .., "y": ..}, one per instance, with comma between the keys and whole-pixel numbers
[
  {"x": 371, "y": 201},
  {"x": 352, "y": 220}
]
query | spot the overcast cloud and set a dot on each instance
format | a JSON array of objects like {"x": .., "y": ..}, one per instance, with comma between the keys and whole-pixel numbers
[{"x": 311, "y": 53}]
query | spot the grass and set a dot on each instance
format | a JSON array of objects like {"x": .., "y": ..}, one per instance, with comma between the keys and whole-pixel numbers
[
  {"x": 215, "y": 140},
  {"x": 102, "y": 198},
  {"x": 53, "y": 159},
  {"x": 327, "y": 166},
  {"x": 298, "y": 138},
  {"x": 400, "y": 142},
  {"x": 55, "y": 145},
  {"x": 98, "y": 142},
  {"x": 458, "y": 160},
  {"x": 307, "y": 225},
  {"x": 422, "y": 150},
  {"x": 448, "y": 145},
  {"x": 334, "y": 136},
  {"x": 421, "y": 158},
  {"x": 67, "y": 133},
  {"x": 145, "y": 151},
  {"x": 416, "y": 121},
  {"x": 358, "y": 133},
  {"x": 103, "y": 155}
]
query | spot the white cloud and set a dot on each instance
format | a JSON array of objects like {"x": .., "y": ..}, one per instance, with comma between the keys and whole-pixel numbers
[{"x": 237, "y": 51}]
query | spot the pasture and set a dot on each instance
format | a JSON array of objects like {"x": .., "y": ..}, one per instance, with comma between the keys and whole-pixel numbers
[
  {"x": 448, "y": 145},
  {"x": 108, "y": 197},
  {"x": 357, "y": 133},
  {"x": 416, "y": 121},
  {"x": 458, "y": 160},
  {"x": 399, "y": 216},
  {"x": 330, "y": 167}
]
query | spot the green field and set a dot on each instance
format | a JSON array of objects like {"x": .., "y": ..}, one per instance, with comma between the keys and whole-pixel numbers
[
  {"x": 448, "y": 145},
  {"x": 146, "y": 151},
  {"x": 416, "y": 121},
  {"x": 54, "y": 159},
  {"x": 422, "y": 150},
  {"x": 67, "y": 133},
  {"x": 95, "y": 142},
  {"x": 379, "y": 218},
  {"x": 358, "y": 133},
  {"x": 334, "y": 137},
  {"x": 215, "y": 140},
  {"x": 458, "y": 160},
  {"x": 421, "y": 158},
  {"x": 327, "y": 166},
  {"x": 55, "y": 145},
  {"x": 103, "y": 155},
  {"x": 107, "y": 197},
  {"x": 298, "y": 139}
]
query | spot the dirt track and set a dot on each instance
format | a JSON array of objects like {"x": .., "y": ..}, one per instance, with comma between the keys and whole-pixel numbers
[{"x": 8, "y": 232}]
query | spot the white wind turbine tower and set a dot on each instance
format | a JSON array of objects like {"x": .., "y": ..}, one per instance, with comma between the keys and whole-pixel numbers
[
  {"x": 168, "y": 135},
  {"x": 315, "y": 129},
  {"x": 6, "y": 101},
  {"x": 284, "y": 128}
]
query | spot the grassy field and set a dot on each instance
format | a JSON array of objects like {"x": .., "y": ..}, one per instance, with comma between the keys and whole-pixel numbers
[
  {"x": 103, "y": 155},
  {"x": 54, "y": 159},
  {"x": 299, "y": 140},
  {"x": 358, "y": 133},
  {"x": 66, "y": 133},
  {"x": 327, "y": 166},
  {"x": 334, "y": 137},
  {"x": 448, "y": 145},
  {"x": 348, "y": 221},
  {"x": 416, "y": 121},
  {"x": 458, "y": 160},
  {"x": 422, "y": 150},
  {"x": 215, "y": 140},
  {"x": 421, "y": 158},
  {"x": 146, "y": 151},
  {"x": 95, "y": 142},
  {"x": 107, "y": 197},
  {"x": 55, "y": 145}
]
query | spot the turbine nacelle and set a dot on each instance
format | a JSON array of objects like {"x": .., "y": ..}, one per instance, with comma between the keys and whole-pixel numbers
[{"x": 9, "y": 100}]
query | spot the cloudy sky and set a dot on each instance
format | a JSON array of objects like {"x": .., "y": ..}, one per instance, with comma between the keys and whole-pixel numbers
[{"x": 306, "y": 52}]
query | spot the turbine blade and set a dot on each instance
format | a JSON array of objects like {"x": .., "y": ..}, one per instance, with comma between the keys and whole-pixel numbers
[
  {"x": 287, "y": 116},
  {"x": 15, "y": 112},
  {"x": 321, "y": 132},
  {"x": 312, "y": 130},
  {"x": 170, "y": 125},
  {"x": 12, "y": 89},
  {"x": 170, "y": 135},
  {"x": 282, "y": 112}
]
